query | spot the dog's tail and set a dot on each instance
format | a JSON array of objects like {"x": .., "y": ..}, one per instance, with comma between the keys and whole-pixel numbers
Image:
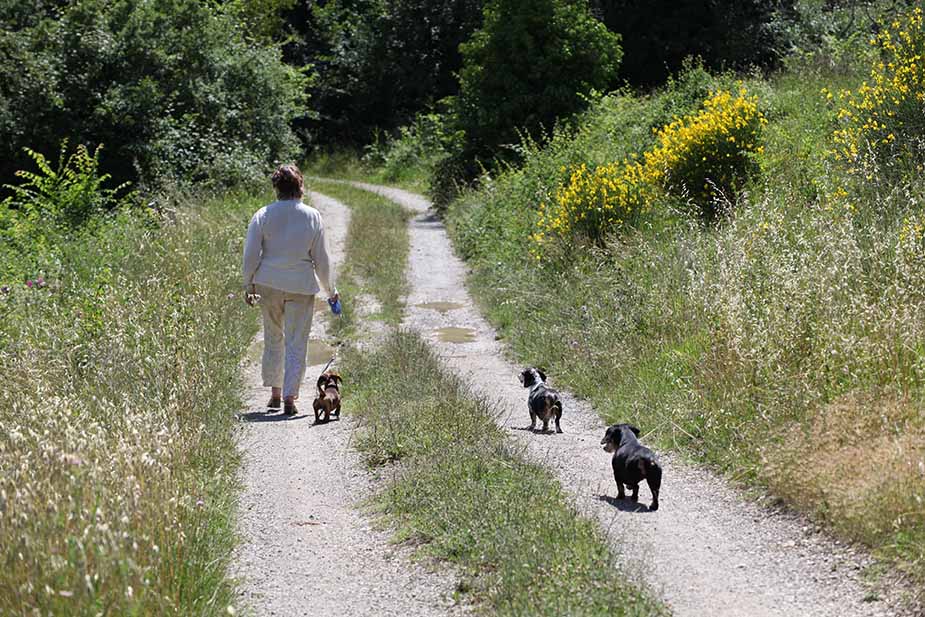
[
  {"x": 652, "y": 472},
  {"x": 554, "y": 403}
]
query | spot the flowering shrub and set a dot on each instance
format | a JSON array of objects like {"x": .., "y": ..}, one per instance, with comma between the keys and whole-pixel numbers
[
  {"x": 596, "y": 201},
  {"x": 703, "y": 155},
  {"x": 884, "y": 117},
  {"x": 706, "y": 154}
]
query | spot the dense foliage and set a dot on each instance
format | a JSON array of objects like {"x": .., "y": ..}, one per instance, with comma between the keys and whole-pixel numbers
[
  {"x": 658, "y": 35},
  {"x": 382, "y": 61},
  {"x": 173, "y": 89},
  {"x": 531, "y": 63}
]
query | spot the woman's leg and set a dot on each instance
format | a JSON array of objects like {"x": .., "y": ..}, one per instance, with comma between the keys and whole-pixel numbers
[
  {"x": 271, "y": 305},
  {"x": 298, "y": 324}
]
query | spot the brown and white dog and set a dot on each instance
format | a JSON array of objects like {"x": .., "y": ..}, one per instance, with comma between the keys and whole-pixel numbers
[{"x": 328, "y": 399}]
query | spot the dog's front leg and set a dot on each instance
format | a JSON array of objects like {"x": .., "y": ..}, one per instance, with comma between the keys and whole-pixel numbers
[
  {"x": 532, "y": 420},
  {"x": 619, "y": 480},
  {"x": 635, "y": 495}
]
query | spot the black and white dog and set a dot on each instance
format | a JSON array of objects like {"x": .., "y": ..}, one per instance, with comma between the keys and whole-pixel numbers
[
  {"x": 543, "y": 402},
  {"x": 632, "y": 462}
]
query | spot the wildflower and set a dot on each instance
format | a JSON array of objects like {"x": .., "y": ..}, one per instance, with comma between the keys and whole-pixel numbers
[
  {"x": 40, "y": 282},
  {"x": 29, "y": 283},
  {"x": 230, "y": 296},
  {"x": 5, "y": 289}
]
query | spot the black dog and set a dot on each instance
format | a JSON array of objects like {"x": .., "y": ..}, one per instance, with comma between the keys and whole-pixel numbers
[
  {"x": 632, "y": 462},
  {"x": 543, "y": 402}
]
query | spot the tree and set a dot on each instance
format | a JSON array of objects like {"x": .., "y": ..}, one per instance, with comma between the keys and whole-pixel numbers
[
  {"x": 657, "y": 35},
  {"x": 171, "y": 87},
  {"x": 384, "y": 61},
  {"x": 531, "y": 64}
]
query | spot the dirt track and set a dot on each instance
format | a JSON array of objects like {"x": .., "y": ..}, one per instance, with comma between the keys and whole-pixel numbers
[{"x": 708, "y": 550}]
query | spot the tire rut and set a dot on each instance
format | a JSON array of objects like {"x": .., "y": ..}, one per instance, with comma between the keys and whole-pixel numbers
[{"x": 306, "y": 547}]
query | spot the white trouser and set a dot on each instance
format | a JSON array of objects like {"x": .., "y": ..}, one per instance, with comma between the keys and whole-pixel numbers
[{"x": 287, "y": 322}]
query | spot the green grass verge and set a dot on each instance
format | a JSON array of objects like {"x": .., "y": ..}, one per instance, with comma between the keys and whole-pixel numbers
[
  {"x": 377, "y": 250},
  {"x": 461, "y": 491},
  {"x": 120, "y": 384}
]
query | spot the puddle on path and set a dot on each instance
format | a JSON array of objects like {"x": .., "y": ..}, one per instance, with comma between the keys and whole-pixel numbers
[
  {"x": 319, "y": 352},
  {"x": 455, "y": 335},
  {"x": 442, "y": 307}
]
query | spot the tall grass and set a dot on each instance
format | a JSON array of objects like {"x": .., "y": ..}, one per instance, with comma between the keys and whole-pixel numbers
[
  {"x": 377, "y": 249},
  {"x": 120, "y": 387},
  {"x": 464, "y": 495},
  {"x": 784, "y": 345}
]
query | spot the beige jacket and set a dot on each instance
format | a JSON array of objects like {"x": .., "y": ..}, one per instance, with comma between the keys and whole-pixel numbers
[{"x": 285, "y": 249}]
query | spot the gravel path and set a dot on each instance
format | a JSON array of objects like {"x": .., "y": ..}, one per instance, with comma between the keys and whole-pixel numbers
[
  {"x": 307, "y": 548},
  {"x": 708, "y": 550}
]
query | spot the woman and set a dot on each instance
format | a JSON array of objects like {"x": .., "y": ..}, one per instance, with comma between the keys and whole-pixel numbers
[{"x": 284, "y": 258}]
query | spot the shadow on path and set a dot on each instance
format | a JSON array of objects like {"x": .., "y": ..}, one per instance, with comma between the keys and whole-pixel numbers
[
  {"x": 623, "y": 505},
  {"x": 268, "y": 416}
]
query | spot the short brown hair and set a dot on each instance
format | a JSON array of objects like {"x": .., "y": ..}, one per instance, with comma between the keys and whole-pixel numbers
[{"x": 287, "y": 180}]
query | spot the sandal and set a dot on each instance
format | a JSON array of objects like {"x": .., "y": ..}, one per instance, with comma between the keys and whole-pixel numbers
[
  {"x": 289, "y": 409},
  {"x": 275, "y": 402}
]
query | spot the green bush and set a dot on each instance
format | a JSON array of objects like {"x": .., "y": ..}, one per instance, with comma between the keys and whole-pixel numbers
[
  {"x": 52, "y": 204},
  {"x": 67, "y": 196},
  {"x": 172, "y": 88},
  {"x": 532, "y": 63},
  {"x": 417, "y": 148}
]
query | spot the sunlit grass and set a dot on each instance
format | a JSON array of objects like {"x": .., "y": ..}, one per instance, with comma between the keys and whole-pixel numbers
[
  {"x": 120, "y": 387},
  {"x": 465, "y": 496},
  {"x": 377, "y": 250}
]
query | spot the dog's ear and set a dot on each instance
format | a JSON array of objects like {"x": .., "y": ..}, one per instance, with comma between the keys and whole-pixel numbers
[
  {"x": 522, "y": 376},
  {"x": 542, "y": 373},
  {"x": 634, "y": 429},
  {"x": 336, "y": 377},
  {"x": 321, "y": 381}
]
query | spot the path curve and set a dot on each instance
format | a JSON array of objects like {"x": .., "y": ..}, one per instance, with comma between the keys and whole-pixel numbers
[
  {"x": 708, "y": 550},
  {"x": 306, "y": 548}
]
